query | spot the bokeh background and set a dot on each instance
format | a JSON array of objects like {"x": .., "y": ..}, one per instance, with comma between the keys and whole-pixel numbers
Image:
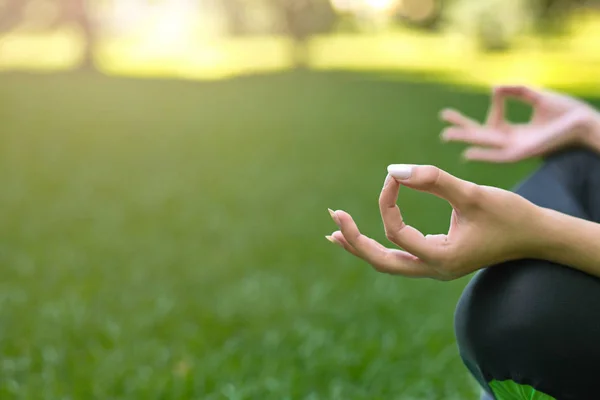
[{"x": 166, "y": 169}]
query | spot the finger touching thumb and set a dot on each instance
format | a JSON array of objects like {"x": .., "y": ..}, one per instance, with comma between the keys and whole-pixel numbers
[{"x": 431, "y": 179}]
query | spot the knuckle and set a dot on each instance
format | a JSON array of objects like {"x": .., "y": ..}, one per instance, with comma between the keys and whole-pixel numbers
[
  {"x": 516, "y": 89},
  {"x": 473, "y": 195},
  {"x": 393, "y": 235},
  {"x": 390, "y": 236},
  {"x": 430, "y": 176},
  {"x": 353, "y": 239},
  {"x": 382, "y": 200}
]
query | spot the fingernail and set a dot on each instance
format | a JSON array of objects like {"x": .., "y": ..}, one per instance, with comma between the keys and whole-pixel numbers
[
  {"x": 334, "y": 217},
  {"x": 464, "y": 157},
  {"x": 332, "y": 240},
  {"x": 400, "y": 171},
  {"x": 446, "y": 114}
]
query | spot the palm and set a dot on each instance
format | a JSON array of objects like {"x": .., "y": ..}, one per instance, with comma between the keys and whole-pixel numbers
[
  {"x": 500, "y": 141},
  {"x": 522, "y": 140}
]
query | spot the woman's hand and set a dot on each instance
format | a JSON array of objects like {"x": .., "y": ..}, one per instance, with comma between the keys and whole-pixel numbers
[
  {"x": 488, "y": 225},
  {"x": 558, "y": 121}
]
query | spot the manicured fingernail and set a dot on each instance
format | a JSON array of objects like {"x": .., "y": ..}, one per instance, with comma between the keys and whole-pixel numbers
[
  {"x": 333, "y": 240},
  {"x": 400, "y": 171},
  {"x": 334, "y": 217}
]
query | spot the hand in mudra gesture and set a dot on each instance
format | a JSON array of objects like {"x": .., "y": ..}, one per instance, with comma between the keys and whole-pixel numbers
[
  {"x": 488, "y": 225},
  {"x": 557, "y": 121}
]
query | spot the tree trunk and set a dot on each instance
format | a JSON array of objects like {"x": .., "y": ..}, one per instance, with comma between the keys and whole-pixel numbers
[
  {"x": 236, "y": 19},
  {"x": 79, "y": 12},
  {"x": 11, "y": 15}
]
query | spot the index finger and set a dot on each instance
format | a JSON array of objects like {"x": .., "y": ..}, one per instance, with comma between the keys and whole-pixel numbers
[
  {"x": 405, "y": 236},
  {"x": 519, "y": 92},
  {"x": 391, "y": 261}
]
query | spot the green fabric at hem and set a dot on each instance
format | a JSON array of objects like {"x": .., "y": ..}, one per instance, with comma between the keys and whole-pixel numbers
[{"x": 510, "y": 390}]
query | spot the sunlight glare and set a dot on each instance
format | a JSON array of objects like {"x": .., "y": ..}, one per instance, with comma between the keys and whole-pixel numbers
[
  {"x": 381, "y": 5},
  {"x": 362, "y": 5},
  {"x": 172, "y": 31}
]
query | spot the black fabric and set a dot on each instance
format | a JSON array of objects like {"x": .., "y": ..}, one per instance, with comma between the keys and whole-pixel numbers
[{"x": 533, "y": 321}]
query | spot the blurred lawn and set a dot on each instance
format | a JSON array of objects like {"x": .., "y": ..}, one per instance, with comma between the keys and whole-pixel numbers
[{"x": 165, "y": 240}]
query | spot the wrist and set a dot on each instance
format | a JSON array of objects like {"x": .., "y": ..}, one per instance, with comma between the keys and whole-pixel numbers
[
  {"x": 567, "y": 240},
  {"x": 562, "y": 239},
  {"x": 536, "y": 236},
  {"x": 546, "y": 240},
  {"x": 533, "y": 235}
]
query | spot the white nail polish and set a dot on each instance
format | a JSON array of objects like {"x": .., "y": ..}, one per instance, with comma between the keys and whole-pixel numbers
[{"x": 400, "y": 171}]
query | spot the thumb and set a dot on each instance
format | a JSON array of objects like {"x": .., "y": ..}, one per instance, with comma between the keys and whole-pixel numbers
[
  {"x": 501, "y": 93},
  {"x": 431, "y": 179}
]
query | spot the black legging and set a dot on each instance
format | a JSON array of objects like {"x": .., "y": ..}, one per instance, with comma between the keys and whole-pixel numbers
[{"x": 535, "y": 322}]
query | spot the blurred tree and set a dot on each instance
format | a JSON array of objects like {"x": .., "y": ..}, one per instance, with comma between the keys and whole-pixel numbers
[
  {"x": 77, "y": 12},
  {"x": 235, "y": 13},
  {"x": 492, "y": 32},
  {"x": 551, "y": 15},
  {"x": 301, "y": 19},
  {"x": 495, "y": 23},
  {"x": 492, "y": 23},
  {"x": 421, "y": 14},
  {"x": 13, "y": 13}
]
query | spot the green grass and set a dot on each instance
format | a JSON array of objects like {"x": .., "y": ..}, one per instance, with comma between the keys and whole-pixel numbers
[{"x": 165, "y": 240}]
